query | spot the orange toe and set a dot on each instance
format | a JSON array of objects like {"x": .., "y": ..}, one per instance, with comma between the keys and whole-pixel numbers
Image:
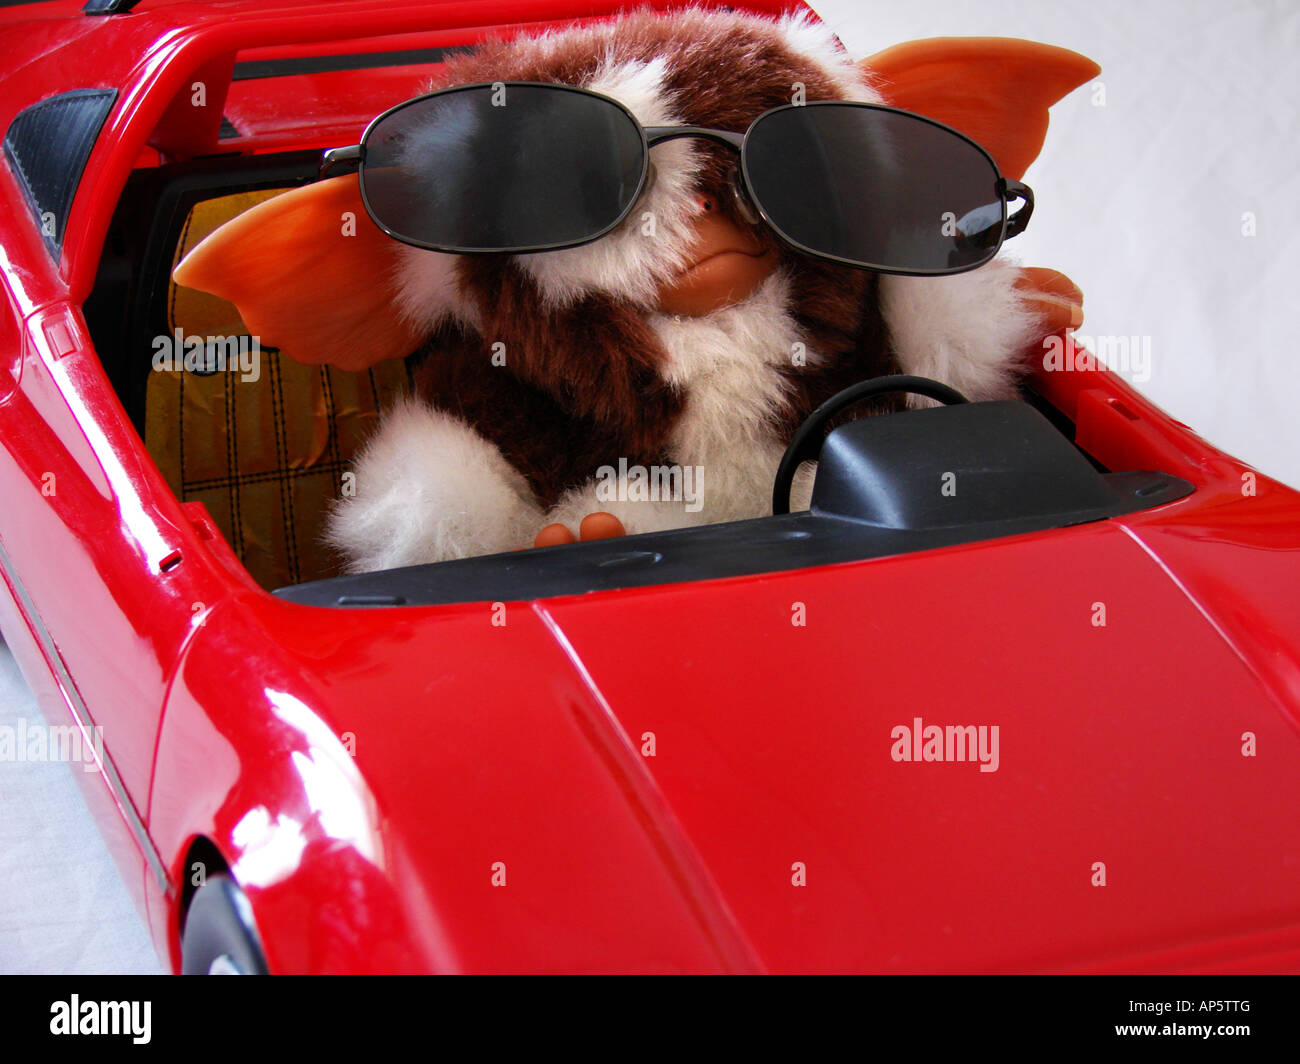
[
  {"x": 1057, "y": 300},
  {"x": 554, "y": 536},
  {"x": 601, "y": 525},
  {"x": 1058, "y": 314},
  {"x": 1049, "y": 282}
]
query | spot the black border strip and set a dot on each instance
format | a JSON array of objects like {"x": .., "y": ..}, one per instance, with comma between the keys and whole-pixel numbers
[{"x": 330, "y": 64}]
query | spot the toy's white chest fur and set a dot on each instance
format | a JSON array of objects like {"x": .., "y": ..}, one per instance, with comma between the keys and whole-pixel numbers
[{"x": 730, "y": 366}]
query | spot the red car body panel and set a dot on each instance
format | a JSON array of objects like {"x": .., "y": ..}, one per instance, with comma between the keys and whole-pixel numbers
[{"x": 366, "y": 774}]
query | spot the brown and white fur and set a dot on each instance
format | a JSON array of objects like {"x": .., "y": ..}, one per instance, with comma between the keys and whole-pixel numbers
[{"x": 484, "y": 455}]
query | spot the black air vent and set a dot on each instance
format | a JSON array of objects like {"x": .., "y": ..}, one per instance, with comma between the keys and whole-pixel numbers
[{"x": 47, "y": 146}]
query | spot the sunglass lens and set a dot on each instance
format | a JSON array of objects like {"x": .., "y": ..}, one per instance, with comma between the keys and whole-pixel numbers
[
  {"x": 502, "y": 168},
  {"x": 874, "y": 187}
]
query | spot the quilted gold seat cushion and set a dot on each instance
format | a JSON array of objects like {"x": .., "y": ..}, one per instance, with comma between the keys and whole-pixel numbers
[{"x": 265, "y": 455}]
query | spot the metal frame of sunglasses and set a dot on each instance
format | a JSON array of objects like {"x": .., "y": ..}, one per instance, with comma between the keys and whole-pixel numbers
[{"x": 1007, "y": 189}]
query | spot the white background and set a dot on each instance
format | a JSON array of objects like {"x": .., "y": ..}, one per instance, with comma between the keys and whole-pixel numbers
[{"x": 1140, "y": 201}]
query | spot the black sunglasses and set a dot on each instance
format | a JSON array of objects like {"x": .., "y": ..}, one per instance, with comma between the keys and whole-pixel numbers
[{"x": 514, "y": 167}]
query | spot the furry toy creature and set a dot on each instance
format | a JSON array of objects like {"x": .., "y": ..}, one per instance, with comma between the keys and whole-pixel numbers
[{"x": 545, "y": 381}]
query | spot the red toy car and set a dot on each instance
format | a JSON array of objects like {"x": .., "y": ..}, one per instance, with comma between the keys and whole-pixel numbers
[{"x": 1054, "y": 729}]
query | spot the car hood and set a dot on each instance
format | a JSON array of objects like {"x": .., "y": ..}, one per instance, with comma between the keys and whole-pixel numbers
[{"x": 1096, "y": 815}]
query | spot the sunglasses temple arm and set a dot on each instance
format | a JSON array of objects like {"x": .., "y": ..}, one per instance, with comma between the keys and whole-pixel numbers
[
  {"x": 350, "y": 157},
  {"x": 658, "y": 134},
  {"x": 1018, "y": 222}
]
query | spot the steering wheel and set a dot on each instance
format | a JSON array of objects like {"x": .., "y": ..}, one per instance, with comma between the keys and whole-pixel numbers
[{"x": 807, "y": 440}]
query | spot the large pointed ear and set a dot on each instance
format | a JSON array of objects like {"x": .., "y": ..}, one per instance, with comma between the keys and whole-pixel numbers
[
  {"x": 996, "y": 90},
  {"x": 311, "y": 274}
]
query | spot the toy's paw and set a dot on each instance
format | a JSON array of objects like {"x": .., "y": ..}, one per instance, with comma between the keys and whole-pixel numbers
[
  {"x": 1057, "y": 300},
  {"x": 599, "y": 525}
]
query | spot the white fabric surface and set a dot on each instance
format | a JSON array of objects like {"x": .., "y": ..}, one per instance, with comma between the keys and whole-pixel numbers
[{"x": 1140, "y": 201}]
